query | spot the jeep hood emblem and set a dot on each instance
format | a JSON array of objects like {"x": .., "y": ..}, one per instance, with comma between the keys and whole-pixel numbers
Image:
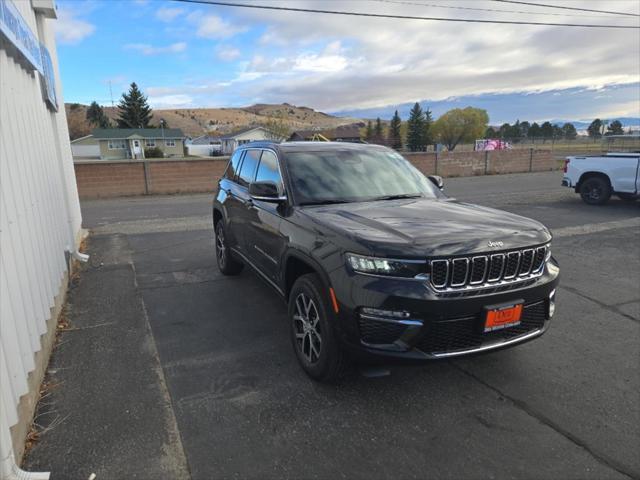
[{"x": 495, "y": 244}]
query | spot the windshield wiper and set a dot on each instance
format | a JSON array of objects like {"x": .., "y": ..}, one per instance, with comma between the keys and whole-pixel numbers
[{"x": 398, "y": 196}]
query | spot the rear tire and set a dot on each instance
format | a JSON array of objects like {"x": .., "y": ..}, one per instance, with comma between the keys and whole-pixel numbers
[
  {"x": 595, "y": 190},
  {"x": 313, "y": 334},
  {"x": 226, "y": 263}
]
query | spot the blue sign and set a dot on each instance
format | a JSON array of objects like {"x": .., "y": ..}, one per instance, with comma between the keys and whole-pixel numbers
[
  {"x": 47, "y": 79},
  {"x": 18, "y": 33}
]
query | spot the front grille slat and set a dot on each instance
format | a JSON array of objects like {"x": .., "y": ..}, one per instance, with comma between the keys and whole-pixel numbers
[
  {"x": 497, "y": 267},
  {"x": 459, "y": 271},
  {"x": 498, "y": 270}
]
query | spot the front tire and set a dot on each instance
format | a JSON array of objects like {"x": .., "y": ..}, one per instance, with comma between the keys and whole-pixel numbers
[
  {"x": 595, "y": 190},
  {"x": 312, "y": 330},
  {"x": 226, "y": 263}
]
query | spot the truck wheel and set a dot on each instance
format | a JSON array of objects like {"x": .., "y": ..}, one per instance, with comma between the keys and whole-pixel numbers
[
  {"x": 312, "y": 332},
  {"x": 627, "y": 197},
  {"x": 226, "y": 263},
  {"x": 595, "y": 190}
]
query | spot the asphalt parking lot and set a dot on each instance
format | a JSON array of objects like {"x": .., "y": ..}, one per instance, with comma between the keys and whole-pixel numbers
[{"x": 564, "y": 406}]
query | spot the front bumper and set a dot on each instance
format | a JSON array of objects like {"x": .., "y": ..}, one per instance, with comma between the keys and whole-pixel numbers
[{"x": 436, "y": 326}]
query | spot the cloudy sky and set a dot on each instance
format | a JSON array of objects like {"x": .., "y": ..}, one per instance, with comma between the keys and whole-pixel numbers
[{"x": 193, "y": 55}]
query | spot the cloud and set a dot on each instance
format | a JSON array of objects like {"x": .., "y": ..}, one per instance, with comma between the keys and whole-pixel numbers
[
  {"x": 373, "y": 61},
  {"x": 168, "y": 14},
  {"x": 227, "y": 53},
  {"x": 147, "y": 49},
  {"x": 214, "y": 27},
  {"x": 170, "y": 101},
  {"x": 71, "y": 30}
]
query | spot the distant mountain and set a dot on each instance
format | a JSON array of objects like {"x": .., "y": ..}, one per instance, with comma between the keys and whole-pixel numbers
[
  {"x": 580, "y": 104},
  {"x": 583, "y": 124},
  {"x": 217, "y": 121}
]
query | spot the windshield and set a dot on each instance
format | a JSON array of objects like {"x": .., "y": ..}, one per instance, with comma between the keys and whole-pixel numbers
[{"x": 355, "y": 176}]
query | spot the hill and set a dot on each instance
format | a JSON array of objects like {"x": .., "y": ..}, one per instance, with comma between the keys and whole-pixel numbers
[{"x": 218, "y": 121}]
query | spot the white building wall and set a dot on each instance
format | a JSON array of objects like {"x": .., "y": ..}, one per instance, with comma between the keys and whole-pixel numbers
[{"x": 39, "y": 217}]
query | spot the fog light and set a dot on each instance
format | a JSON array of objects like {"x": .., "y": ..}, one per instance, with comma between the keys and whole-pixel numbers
[
  {"x": 552, "y": 303},
  {"x": 376, "y": 312}
]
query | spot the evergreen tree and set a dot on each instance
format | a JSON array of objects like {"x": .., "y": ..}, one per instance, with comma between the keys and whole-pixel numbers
[
  {"x": 378, "y": 136},
  {"x": 394, "y": 140},
  {"x": 96, "y": 116},
  {"x": 415, "y": 128},
  {"x": 569, "y": 131},
  {"x": 546, "y": 129},
  {"x": 534, "y": 131},
  {"x": 615, "y": 128},
  {"x": 368, "y": 135},
  {"x": 133, "y": 109},
  {"x": 595, "y": 129},
  {"x": 427, "y": 138}
]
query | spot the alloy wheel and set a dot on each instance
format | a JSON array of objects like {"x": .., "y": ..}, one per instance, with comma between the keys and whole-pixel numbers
[
  {"x": 221, "y": 249},
  {"x": 306, "y": 323}
]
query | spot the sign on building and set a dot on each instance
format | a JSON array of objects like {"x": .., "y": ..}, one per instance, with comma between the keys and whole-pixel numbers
[{"x": 28, "y": 50}]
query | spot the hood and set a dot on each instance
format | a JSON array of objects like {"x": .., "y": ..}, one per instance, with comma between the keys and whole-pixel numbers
[{"x": 426, "y": 227}]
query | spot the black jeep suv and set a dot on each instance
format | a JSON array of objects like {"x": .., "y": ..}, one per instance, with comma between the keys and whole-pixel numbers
[{"x": 374, "y": 260}]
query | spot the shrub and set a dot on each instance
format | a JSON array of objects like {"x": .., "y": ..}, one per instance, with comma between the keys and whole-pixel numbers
[{"x": 153, "y": 152}]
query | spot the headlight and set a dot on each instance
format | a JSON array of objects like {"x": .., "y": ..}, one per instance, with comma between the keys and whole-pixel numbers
[{"x": 386, "y": 266}]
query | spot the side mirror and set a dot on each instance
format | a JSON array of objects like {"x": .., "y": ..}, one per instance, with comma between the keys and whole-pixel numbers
[
  {"x": 266, "y": 192},
  {"x": 437, "y": 181}
]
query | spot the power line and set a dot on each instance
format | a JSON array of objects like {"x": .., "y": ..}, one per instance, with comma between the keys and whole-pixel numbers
[
  {"x": 401, "y": 17},
  {"x": 529, "y": 12},
  {"x": 545, "y": 5}
]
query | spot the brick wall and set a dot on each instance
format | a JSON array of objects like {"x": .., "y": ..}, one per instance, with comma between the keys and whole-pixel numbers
[
  {"x": 121, "y": 178},
  {"x": 184, "y": 176},
  {"x": 468, "y": 164}
]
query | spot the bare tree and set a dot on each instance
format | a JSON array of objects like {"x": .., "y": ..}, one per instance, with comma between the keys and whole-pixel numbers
[{"x": 277, "y": 129}]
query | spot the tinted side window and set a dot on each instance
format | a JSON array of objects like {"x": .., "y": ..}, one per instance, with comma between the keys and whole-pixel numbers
[
  {"x": 248, "y": 169},
  {"x": 268, "y": 169},
  {"x": 232, "y": 168}
]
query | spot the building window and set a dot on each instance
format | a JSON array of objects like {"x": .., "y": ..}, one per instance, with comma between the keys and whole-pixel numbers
[
  {"x": 242, "y": 142},
  {"x": 169, "y": 143},
  {"x": 116, "y": 145},
  {"x": 150, "y": 142}
]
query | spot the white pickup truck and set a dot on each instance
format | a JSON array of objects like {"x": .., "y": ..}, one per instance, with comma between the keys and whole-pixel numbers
[{"x": 597, "y": 178}]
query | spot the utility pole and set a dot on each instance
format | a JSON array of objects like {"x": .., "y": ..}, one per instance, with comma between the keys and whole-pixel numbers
[{"x": 163, "y": 142}]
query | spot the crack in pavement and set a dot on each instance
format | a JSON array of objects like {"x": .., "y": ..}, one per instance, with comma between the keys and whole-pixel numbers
[
  {"x": 600, "y": 457},
  {"x": 611, "y": 308}
]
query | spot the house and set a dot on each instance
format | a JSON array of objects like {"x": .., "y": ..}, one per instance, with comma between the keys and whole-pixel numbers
[
  {"x": 122, "y": 143},
  {"x": 85, "y": 148},
  {"x": 40, "y": 220},
  {"x": 343, "y": 133},
  {"x": 246, "y": 135},
  {"x": 205, "y": 145}
]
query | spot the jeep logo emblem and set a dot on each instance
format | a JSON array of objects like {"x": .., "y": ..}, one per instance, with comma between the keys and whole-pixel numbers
[{"x": 496, "y": 244}]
